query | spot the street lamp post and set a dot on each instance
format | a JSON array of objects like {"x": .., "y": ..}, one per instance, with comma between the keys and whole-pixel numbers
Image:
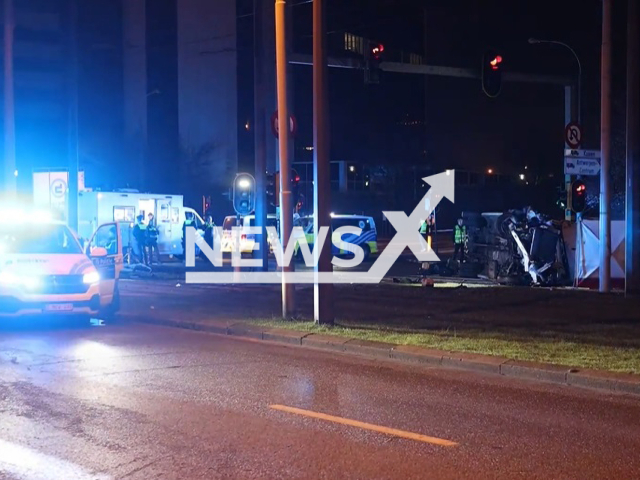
[
  {"x": 536, "y": 41},
  {"x": 286, "y": 203},
  {"x": 9, "y": 108}
]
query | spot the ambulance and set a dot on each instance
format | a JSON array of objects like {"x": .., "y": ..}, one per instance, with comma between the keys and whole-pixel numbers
[
  {"x": 123, "y": 207},
  {"x": 44, "y": 269}
]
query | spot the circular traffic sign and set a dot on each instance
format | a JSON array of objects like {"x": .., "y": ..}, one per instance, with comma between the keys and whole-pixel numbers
[
  {"x": 58, "y": 188},
  {"x": 275, "y": 127},
  {"x": 573, "y": 135}
]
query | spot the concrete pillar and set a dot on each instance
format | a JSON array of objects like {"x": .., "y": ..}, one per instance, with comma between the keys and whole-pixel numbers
[
  {"x": 135, "y": 84},
  {"x": 207, "y": 86}
]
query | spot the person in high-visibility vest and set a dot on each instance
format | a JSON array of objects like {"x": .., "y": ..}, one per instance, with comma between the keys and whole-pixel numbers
[
  {"x": 140, "y": 236},
  {"x": 189, "y": 221},
  {"x": 209, "y": 231},
  {"x": 459, "y": 238},
  {"x": 424, "y": 231},
  {"x": 152, "y": 238}
]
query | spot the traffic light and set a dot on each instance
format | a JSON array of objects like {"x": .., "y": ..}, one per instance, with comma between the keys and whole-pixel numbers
[
  {"x": 206, "y": 205},
  {"x": 561, "y": 198},
  {"x": 272, "y": 189},
  {"x": 373, "y": 58},
  {"x": 244, "y": 194},
  {"x": 492, "y": 73},
  {"x": 295, "y": 188},
  {"x": 577, "y": 198}
]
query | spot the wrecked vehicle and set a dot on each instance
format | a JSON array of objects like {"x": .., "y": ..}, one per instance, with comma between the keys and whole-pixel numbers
[{"x": 518, "y": 247}]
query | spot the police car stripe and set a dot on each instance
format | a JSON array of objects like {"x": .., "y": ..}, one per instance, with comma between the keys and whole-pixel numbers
[{"x": 359, "y": 239}]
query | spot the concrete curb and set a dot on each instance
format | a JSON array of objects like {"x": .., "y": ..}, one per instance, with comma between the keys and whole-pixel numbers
[{"x": 543, "y": 372}]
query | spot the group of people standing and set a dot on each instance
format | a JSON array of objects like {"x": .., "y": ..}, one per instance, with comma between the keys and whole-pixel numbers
[
  {"x": 146, "y": 239},
  {"x": 459, "y": 237}
]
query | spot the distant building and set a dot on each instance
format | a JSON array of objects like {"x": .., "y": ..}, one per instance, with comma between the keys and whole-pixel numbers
[
  {"x": 40, "y": 90},
  {"x": 180, "y": 89}
]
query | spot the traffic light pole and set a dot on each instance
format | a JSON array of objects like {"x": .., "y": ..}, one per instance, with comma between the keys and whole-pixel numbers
[
  {"x": 605, "y": 147},
  {"x": 9, "y": 109},
  {"x": 322, "y": 292},
  {"x": 286, "y": 205},
  {"x": 72, "y": 83},
  {"x": 259, "y": 128},
  {"x": 632, "y": 238}
]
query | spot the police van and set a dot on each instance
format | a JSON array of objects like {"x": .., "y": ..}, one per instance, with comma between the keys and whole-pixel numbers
[
  {"x": 44, "y": 269},
  {"x": 367, "y": 240}
]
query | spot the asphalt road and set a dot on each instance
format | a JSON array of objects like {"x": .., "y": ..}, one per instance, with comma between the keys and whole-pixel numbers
[{"x": 141, "y": 402}]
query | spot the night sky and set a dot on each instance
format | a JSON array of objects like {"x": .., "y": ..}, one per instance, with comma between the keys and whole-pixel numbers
[
  {"x": 466, "y": 129},
  {"x": 384, "y": 124}
]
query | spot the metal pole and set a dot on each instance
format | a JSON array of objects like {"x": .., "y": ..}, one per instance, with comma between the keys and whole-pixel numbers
[
  {"x": 425, "y": 39},
  {"x": 632, "y": 237},
  {"x": 569, "y": 116},
  {"x": 72, "y": 83},
  {"x": 578, "y": 116},
  {"x": 286, "y": 206},
  {"x": 9, "y": 108},
  {"x": 605, "y": 146},
  {"x": 322, "y": 292},
  {"x": 260, "y": 140}
]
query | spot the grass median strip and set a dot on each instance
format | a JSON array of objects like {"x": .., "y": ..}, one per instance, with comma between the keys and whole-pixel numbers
[
  {"x": 366, "y": 426},
  {"x": 580, "y": 351}
]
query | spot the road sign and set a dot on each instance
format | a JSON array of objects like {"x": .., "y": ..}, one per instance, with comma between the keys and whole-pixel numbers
[
  {"x": 58, "y": 188},
  {"x": 573, "y": 135},
  {"x": 581, "y": 166},
  {"x": 573, "y": 153},
  {"x": 293, "y": 124}
]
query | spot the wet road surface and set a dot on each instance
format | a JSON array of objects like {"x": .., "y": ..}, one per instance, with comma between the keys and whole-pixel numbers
[{"x": 141, "y": 402}]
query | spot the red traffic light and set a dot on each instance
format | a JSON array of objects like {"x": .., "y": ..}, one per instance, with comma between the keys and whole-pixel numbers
[
  {"x": 492, "y": 73},
  {"x": 577, "y": 199},
  {"x": 377, "y": 50},
  {"x": 495, "y": 62}
]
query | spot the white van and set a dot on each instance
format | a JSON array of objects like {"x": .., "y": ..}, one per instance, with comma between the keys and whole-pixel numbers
[
  {"x": 247, "y": 241},
  {"x": 44, "y": 269},
  {"x": 123, "y": 206}
]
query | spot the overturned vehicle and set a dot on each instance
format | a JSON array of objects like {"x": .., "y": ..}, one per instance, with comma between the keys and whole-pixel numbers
[{"x": 518, "y": 247}]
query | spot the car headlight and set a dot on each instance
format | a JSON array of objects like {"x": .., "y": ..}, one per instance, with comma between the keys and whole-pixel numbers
[
  {"x": 8, "y": 278},
  {"x": 91, "y": 278},
  {"x": 28, "y": 281}
]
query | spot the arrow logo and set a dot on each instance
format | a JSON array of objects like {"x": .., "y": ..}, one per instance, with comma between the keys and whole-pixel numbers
[{"x": 442, "y": 185}]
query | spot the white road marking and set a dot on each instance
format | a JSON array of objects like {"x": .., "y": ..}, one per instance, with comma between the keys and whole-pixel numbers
[{"x": 27, "y": 464}]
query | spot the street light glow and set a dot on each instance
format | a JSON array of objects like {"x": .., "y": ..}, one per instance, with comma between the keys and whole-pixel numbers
[{"x": 490, "y": 171}]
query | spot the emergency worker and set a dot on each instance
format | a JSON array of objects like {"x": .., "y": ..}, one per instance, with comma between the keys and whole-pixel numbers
[
  {"x": 209, "y": 226},
  {"x": 140, "y": 236},
  {"x": 459, "y": 238},
  {"x": 152, "y": 238},
  {"x": 189, "y": 221}
]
